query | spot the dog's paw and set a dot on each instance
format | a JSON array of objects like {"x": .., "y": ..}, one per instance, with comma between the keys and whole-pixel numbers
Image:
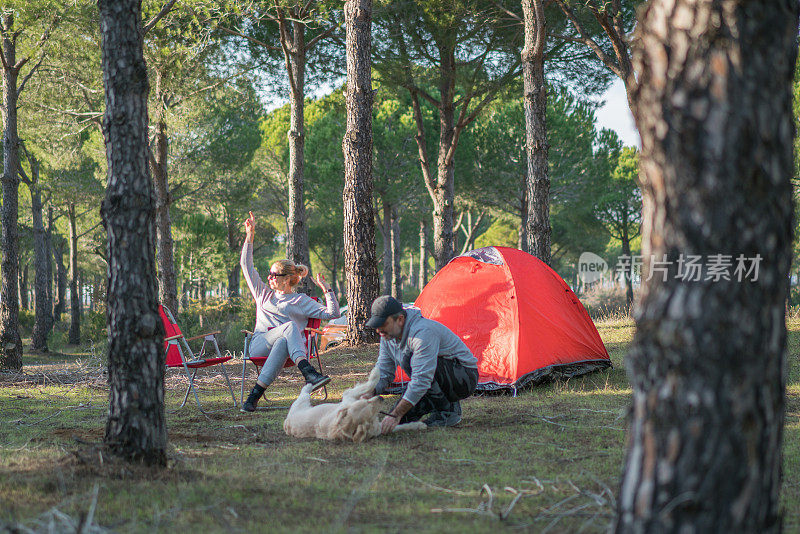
[{"x": 307, "y": 389}]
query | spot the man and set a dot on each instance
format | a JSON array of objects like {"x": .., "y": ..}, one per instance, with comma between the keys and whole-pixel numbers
[{"x": 442, "y": 369}]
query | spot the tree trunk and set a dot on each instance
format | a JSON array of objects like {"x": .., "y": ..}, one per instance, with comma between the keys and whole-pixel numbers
[
  {"x": 444, "y": 190},
  {"x": 61, "y": 282},
  {"x": 423, "y": 254},
  {"x": 10, "y": 341},
  {"x": 387, "y": 247},
  {"x": 361, "y": 268},
  {"x": 536, "y": 147},
  {"x": 167, "y": 284},
  {"x": 626, "y": 251},
  {"x": 23, "y": 286},
  {"x": 136, "y": 426},
  {"x": 394, "y": 233},
  {"x": 48, "y": 243},
  {"x": 297, "y": 243},
  {"x": 522, "y": 240},
  {"x": 44, "y": 318},
  {"x": 234, "y": 246},
  {"x": 74, "y": 336},
  {"x": 714, "y": 109}
]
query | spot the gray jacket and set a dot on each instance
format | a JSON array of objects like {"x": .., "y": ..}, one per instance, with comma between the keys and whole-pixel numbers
[
  {"x": 274, "y": 309},
  {"x": 422, "y": 343}
]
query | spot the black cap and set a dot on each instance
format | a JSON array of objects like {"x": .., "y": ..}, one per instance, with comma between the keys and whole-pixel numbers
[{"x": 382, "y": 308}]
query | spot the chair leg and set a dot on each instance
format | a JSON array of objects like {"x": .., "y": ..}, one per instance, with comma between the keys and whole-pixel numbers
[
  {"x": 194, "y": 391},
  {"x": 227, "y": 380},
  {"x": 312, "y": 350},
  {"x": 244, "y": 372}
]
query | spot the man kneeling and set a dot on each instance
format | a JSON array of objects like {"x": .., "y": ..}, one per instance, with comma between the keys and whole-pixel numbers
[{"x": 442, "y": 369}]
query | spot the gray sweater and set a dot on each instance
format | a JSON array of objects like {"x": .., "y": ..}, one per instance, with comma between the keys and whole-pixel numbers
[
  {"x": 274, "y": 309},
  {"x": 422, "y": 343}
]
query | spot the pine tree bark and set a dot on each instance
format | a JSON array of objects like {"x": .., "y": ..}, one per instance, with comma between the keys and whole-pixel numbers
[
  {"x": 136, "y": 426},
  {"x": 297, "y": 242},
  {"x": 60, "y": 280},
  {"x": 23, "y": 285},
  {"x": 234, "y": 246},
  {"x": 394, "y": 239},
  {"x": 10, "y": 341},
  {"x": 361, "y": 268},
  {"x": 423, "y": 254},
  {"x": 43, "y": 306},
  {"x": 714, "y": 109},
  {"x": 74, "y": 336},
  {"x": 167, "y": 283},
  {"x": 386, "y": 232},
  {"x": 536, "y": 147}
]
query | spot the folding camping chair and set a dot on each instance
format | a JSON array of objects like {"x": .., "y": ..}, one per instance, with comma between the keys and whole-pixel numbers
[
  {"x": 179, "y": 354},
  {"x": 311, "y": 333}
]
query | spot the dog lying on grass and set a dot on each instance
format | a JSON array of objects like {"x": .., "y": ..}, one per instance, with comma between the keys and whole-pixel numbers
[{"x": 353, "y": 419}]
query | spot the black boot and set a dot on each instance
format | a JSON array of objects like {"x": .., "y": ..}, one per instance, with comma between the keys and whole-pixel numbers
[
  {"x": 312, "y": 376},
  {"x": 252, "y": 399}
]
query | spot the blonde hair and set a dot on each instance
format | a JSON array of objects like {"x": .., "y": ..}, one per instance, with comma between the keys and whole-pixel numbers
[{"x": 296, "y": 271}]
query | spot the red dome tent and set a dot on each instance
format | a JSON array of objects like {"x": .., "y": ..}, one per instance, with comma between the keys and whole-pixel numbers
[{"x": 517, "y": 316}]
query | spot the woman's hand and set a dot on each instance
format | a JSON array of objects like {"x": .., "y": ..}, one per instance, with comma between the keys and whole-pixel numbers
[
  {"x": 321, "y": 283},
  {"x": 250, "y": 228}
]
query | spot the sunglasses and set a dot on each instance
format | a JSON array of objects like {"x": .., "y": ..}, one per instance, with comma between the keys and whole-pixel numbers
[{"x": 275, "y": 275}]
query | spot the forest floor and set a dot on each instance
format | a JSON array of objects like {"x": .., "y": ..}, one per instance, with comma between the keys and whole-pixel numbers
[{"x": 548, "y": 460}]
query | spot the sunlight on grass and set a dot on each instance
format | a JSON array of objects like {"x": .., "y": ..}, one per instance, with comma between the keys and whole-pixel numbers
[{"x": 549, "y": 458}]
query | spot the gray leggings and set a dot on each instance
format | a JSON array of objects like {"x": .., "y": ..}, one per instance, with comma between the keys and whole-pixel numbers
[{"x": 277, "y": 344}]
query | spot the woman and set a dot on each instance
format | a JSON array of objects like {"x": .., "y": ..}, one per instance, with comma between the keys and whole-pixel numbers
[{"x": 281, "y": 316}]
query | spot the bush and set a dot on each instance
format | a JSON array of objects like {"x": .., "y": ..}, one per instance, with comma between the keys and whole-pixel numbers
[
  {"x": 229, "y": 316},
  {"x": 602, "y": 302},
  {"x": 26, "y": 320}
]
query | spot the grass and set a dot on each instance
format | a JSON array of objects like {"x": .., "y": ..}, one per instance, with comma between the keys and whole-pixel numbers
[{"x": 548, "y": 459}]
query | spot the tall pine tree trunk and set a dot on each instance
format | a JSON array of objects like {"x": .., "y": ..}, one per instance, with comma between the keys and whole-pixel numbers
[
  {"x": 74, "y": 336},
  {"x": 43, "y": 306},
  {"x": 10, "y": 341},
  {"x": 714, "y": 109},
  {"x": 234, "y": 246},
  {"x": 60, "y": 281},
  {"x": 386, "y": 231},
  {"x": 167, "y": 283},
  {"x": 394, "y": 239},
  {"x": 136, "y": 426},
  {"x": 423, "y": 254},
  {"x": 22, "y": 285},
  {"x": 535, "y": 99},
  {"x": 444, "y": 190},
  {"x": 361, "y": 269},
  {"x": 297, "y": 243}
]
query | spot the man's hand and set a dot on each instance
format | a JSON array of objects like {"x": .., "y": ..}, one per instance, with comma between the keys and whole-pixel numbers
[
  {"x": 388, "y": 424},
  {"x": 390, "y": 421}
]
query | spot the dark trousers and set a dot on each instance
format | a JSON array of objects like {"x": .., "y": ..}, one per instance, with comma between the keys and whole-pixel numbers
[{"x": 451, "y": 383}]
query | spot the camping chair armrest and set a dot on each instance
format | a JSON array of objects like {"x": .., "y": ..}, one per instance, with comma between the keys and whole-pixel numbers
[
  {"x": 247, "y": 332},
  {"x": 316, "y": 331},
  {"x": 203, "y": 335},
  {"x": 170, "y": 338}
]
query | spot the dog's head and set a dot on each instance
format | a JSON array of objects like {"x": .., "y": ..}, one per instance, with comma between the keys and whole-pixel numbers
[{"x": 358, "y": 421}]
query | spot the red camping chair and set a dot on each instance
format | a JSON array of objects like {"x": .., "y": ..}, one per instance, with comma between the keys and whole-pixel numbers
[
  {"x": 311, "y": 333},
  {"x": 179, "y": 354}
]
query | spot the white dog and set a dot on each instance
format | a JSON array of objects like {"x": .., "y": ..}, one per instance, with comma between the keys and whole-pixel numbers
[{"x": 353, "y": 419}]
